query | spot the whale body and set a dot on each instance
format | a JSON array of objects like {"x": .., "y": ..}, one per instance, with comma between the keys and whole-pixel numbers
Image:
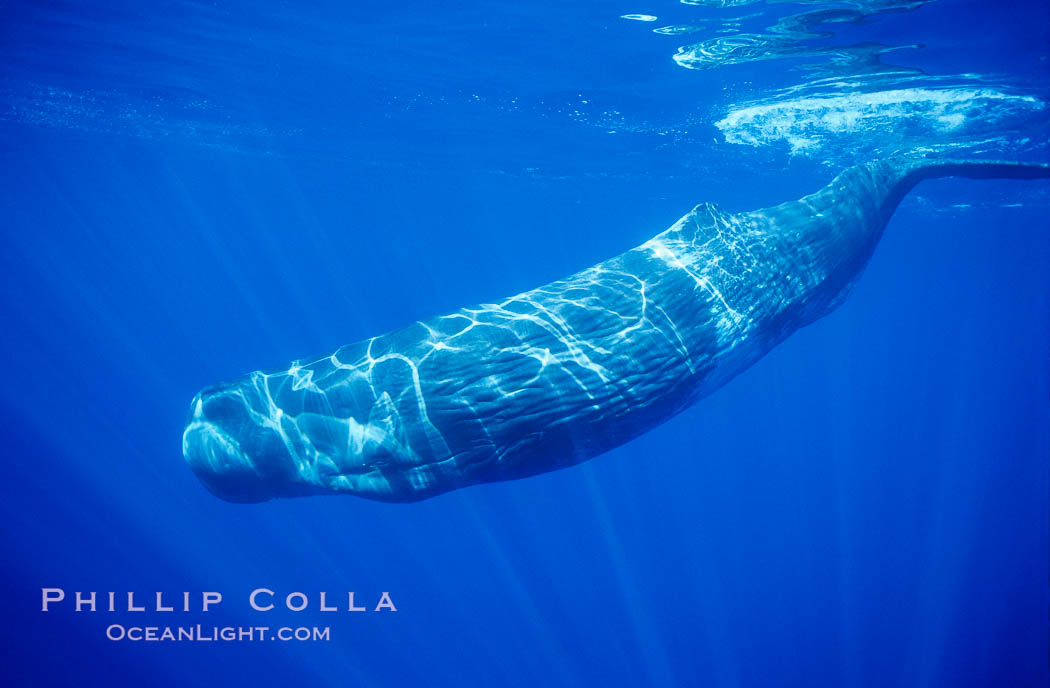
[{"x": 557, "y": 375}]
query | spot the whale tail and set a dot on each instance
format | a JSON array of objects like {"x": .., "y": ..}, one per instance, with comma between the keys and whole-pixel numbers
[
  {"x": 907, "y": 172},
  {"x": 847, "y": 217},
  {"x": 976, "y": 169},
  {"x": 879, "y": 186}
]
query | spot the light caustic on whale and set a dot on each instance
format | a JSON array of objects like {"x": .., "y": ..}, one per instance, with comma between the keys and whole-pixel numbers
[{"x": 557, "y": 375}]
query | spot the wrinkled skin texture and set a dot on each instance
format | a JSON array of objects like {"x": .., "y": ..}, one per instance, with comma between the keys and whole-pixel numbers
[{"x": 557, "y": 375}]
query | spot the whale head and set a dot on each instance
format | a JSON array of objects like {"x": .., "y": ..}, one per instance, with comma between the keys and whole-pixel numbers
[
  {"x": 244, "y": 447},
  {"x": 236, "y": 451}
]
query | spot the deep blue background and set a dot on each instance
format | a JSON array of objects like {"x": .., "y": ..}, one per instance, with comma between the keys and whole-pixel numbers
[{"x": 203, "y": 190}]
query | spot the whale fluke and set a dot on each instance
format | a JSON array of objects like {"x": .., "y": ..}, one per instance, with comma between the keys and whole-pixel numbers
[
  {"x": 912, "y": 171},
  {"x": 978, "y": 169},
  {"x": 556, "y": 375}
]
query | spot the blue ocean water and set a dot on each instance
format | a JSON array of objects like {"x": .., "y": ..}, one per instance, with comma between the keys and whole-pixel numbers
[{"x": 197, "y": 190}]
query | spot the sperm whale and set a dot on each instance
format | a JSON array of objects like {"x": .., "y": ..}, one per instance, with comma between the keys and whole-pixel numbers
[{"x": 559, "y": 374}]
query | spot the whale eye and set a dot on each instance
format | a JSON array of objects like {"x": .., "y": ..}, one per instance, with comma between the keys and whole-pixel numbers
[
  {"x": 388, "y": 454},
  {"x": 328, "y": 435},
  {"x": 223, "y": 403}
]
